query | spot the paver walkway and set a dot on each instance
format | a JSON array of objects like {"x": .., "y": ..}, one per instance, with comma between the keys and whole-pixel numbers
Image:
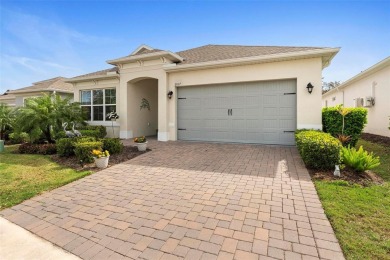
[{"x": 188, "y": 200}]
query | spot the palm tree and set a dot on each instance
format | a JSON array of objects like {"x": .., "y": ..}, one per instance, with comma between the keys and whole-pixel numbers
[
  {"x": 47, "y": 114},
  {"x": 7, "y": 117}
]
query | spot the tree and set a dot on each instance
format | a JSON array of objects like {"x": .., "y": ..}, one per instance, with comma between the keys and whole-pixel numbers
[
  {"x": 46, "y": 114},
  {"x": 326, "y": 86},
  {"x": 7, "y": 117}
]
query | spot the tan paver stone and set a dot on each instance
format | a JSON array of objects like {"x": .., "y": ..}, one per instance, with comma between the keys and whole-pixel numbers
[
  {"x": 188, "y": 200},
  {"x": 245, "y": 255},
  {"x": 229, "y": 245}
]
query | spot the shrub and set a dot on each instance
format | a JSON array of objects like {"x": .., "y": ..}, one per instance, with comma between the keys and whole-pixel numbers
[
  {"x": 59, "y": 135},
  {"x": 355, "y": 121},
  {"x": 359, "y": 160},
  {"x": 113, "y": 145},
  {"x": 318, "y": 150},
  {"x": 101, "y": 129},
  {"x": 91, "y": 133},
  {"x": 85, "y": 139},
  {"x": 29, "y": 148},
  {"x": 65, "y": 147},
  {"x": 83, "y": 151},
  {"x": 18, "y": 138}
]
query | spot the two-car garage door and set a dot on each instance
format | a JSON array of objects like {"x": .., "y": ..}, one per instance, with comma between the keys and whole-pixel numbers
[{"x": 250, "y": 112}]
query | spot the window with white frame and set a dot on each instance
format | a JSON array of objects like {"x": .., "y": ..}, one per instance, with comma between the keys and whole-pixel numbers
[{"x": 96, "y": 103}]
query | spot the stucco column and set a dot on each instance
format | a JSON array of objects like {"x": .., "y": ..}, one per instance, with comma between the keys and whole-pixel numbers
[
  {"x": 163, "y": 132},
  {"x": 123, "y": 115}
]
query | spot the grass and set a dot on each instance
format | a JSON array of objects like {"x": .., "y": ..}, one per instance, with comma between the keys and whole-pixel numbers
[
  {"x": 23, "y": 176},
  {"x": 360, "y": 215}
]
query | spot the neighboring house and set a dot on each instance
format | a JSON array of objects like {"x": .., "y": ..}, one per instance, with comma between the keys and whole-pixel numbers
[
  {"x": 369, "y": 89},
  {"x": 222, "y": 93},
  {"x": 56, "y": 85},
  {"x": 8, "y": 99}
]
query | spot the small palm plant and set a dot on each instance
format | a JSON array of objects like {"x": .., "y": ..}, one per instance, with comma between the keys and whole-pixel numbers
[{"x": 344, "y": 139}]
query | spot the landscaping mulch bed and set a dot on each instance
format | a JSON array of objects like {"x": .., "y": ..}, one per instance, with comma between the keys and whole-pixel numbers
[
  {"x": 379, "y": 139},
  {"x": 365, "y": 178},
  {"x": 128, "y": 153}
]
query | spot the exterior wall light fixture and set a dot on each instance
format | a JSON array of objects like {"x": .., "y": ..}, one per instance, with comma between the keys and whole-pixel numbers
[
  {"x": 310, "y": 88},
  {"x": 170, "y": 94}
]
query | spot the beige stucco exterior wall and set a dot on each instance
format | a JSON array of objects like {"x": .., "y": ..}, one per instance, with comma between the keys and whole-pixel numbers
[
  {"x": 101, "y": 84},
  {"x": 304, "y": 71},
  {"x": 142, "y": 121},
  {"x": 378, "y": 115},
  {"x": 131, "y": 74},
  {"x": 8, "y": 102}
]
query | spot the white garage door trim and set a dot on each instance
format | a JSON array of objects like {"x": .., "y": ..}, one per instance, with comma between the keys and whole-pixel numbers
[{"x": 261, "y": 112}]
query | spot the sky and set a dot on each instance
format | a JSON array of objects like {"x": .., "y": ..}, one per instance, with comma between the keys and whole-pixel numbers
[{"x": 44, "y": 39}]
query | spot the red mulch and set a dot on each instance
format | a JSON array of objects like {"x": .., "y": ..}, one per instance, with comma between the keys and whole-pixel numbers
[
  {"x": 379, "y": 139},
  {"x": 364, "y": 178},
  {"x": 128, "y": 153}
]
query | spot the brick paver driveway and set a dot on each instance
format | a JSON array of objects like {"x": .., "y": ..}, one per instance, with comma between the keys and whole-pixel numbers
[{"x": 188, "y": 200}]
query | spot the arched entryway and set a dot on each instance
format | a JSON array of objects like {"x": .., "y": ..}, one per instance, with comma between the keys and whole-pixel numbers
[{"x": 142, "y": 106}]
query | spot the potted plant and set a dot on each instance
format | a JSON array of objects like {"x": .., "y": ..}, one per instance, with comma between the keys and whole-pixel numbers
[
  {"x": 101, "y": 158},
  {"x": 141, "y": 143}
]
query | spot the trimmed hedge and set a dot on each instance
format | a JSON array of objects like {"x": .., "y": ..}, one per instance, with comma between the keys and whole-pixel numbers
[
  {"x": 102, "y": 131},
  {"x": 91, "y": 133},
  {"x": 65, "y": 147},
  {"x": 319, "y": 150},
  {"x": 112, "y": 145},
  {"x": 83, "y": 151},
  {"x": 29, "y": 148},
  {"x": 355, "y": 121}
]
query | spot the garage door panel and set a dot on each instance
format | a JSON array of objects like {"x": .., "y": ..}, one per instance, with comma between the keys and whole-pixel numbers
[{"x": 261, "y": 112}]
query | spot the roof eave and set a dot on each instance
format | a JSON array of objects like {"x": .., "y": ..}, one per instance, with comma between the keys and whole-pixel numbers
[
  {"x": 40, "y": 90},
  {"x": 331, "y": 52},
  {"x": 91, "y": 78},
  {"x": 380, "y": 65},
  {"x": 175, "y": 57}
]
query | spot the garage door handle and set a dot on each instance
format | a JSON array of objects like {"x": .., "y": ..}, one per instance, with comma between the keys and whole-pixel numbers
[
  {"x": 231, "y": 111},
  {"x": 181, "y": 129},
  {"x": 289, "y": 131}
]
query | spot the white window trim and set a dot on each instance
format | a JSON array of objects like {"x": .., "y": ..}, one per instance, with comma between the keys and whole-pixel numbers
[{"x": 93, "y": 105}]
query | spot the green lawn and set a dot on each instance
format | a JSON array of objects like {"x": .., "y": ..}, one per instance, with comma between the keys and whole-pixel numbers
[
  {"x": 360, "y": 215},
  {"x": 23, "y": 176}
]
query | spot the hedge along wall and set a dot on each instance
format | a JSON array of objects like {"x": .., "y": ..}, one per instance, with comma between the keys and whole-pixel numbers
[{"x": 354, "y": 122}]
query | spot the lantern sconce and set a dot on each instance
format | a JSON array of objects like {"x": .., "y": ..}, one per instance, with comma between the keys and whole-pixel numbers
[
  {"x": 170, "y": 94},
  {"x": 310, "y": 88}
]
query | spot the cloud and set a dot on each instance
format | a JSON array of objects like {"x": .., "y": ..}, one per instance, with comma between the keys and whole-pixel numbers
[{"x": 34, "y": 48}]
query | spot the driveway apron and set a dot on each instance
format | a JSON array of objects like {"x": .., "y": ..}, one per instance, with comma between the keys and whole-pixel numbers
[{"x": 188, "y": 200}]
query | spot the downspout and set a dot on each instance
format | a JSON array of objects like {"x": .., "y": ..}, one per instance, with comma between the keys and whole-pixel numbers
[{"x": 342, "y": 91}]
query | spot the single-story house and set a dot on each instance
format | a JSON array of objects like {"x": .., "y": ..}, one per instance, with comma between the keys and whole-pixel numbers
[
  {"x": 17, "y": 97},
  {"x": 370, "y": 89},
  {"x": 8, "y": 99},
  {"x": 222, "y": 93}
]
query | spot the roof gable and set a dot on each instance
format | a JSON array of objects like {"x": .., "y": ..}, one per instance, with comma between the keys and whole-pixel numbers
[{"x": 142, "y": 49}]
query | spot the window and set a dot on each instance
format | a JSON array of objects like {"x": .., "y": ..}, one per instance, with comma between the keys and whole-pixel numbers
[{"x": 97, "y": 103}]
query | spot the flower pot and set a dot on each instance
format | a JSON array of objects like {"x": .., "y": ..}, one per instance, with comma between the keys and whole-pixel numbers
[
  {"x": 101, "y": 162},
  {"x": 142, "y": 146}
]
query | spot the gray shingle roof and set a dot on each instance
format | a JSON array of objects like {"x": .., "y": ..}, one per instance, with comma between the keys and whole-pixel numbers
[
  {"x": 54, "y": 84},
  {"x": 97, "y": 73},
  {"x": 224, "y": 52}
]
